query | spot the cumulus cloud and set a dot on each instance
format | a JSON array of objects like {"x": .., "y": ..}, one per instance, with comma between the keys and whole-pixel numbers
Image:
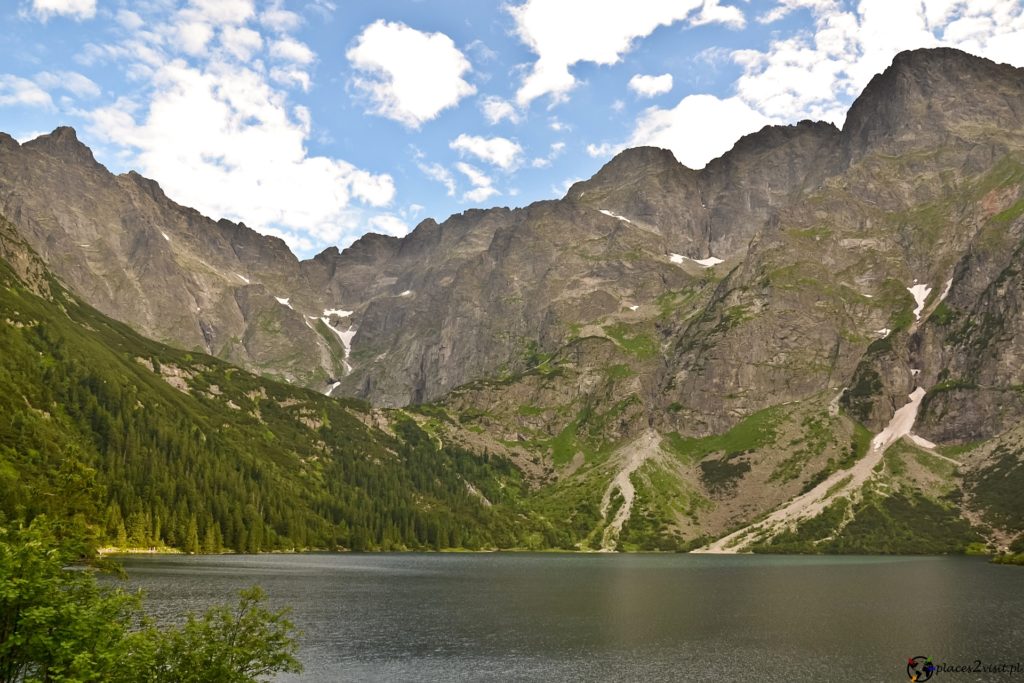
[
  {"x": 71, "y": 81},
  {"x": 496, "y": 110},
  {"x": 15, "y": 90},
  {"x": 241, "y": 42},
  {"x": 222, "y": 140},
  {"x": 276, "y": 18},
  {"x": 409, "y": 76},
  {"x": 440, "y": 174},
  {"x": 650, "y": 86},
  {"x": 483, "y": 187},
  {"x": 698, "y": 129},
  {"x": 73, "y": 9},
  {"x": 218, "y": 130},
  {"x": 605, "y": 149},
  {"x": 602, "y": 31},
  {"x": 389, "y": 224},
  {"x": 501, "y": 152},
  {"x": 291, "y": 50},
  {"x": 816, "y": 75}
]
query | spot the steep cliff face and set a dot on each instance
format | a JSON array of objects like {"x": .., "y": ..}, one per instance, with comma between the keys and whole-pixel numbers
[
  {"x": 760, "y": 279},
  {"x": 170, "y": 272}
]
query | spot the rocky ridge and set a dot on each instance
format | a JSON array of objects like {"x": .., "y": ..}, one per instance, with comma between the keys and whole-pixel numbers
[{"x": 757, "y": 314}]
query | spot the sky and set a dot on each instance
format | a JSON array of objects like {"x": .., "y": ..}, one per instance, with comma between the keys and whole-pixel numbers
[{"x": 321, "y": 120}]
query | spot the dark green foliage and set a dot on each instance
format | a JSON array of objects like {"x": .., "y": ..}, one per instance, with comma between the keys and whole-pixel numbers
[
  {"x": 996, "y": 489},
  {"x": 633, "y": 340},
  {"x": 647, "y": 530},
  {"x": 59, "y": 624},
  {"x": 899, "y": 523},
  {"x": 942, "y": 315},
  {"x": 857, "y": 449},
  {"x": 859, "y": 398},
  {"x": 226, "y": 645},
  {"x": 236, "y": 462},
  {"x": 753, "y": 432},
  {"x": 721, "y": 474}
]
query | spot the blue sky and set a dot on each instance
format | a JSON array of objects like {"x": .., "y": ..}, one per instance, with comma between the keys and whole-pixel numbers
[{"x": 320, "y": 120}]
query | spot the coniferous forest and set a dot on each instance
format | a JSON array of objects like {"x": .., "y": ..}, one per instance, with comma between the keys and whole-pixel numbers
[{"x": 155, "y": 447}]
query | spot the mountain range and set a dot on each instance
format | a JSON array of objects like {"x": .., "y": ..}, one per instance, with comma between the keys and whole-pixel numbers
[{"x": 814, "y": 343}]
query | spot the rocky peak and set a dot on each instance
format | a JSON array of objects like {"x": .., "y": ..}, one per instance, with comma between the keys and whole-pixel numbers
[
  {"x": 63, "y": 143},
  {"x": 930, "y": 98}
]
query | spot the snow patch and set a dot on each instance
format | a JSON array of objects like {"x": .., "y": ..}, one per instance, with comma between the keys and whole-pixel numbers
[
  {"x": 328, "y": 312},
  {"x": 884, "y": 332},
  {"x": 165, "y": 235},
  {"x": 702, "y": 262},
  {"x": 615, "y": 215},
  {"x": 346, "y": 339},
  {"x": 945, "y": 290},
  {"x": 920, "y": 294},
  {"x": 242, "y": 278},
  {"x": 632, "y": 308},
  {"x": 284, "y": 302},
  {"x": 330, "y": 388},
  {"x": 407, "y": 292},
  {"x": 921, "y": 441},
  {"x": 868, "y": 296}
]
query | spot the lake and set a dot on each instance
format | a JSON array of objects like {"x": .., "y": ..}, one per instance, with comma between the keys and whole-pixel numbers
[{"x": 510, "y": 616}]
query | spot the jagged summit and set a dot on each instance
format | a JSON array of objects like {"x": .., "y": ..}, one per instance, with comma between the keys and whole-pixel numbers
[
  {"x": 216, "y": 285},
  {"x": 933, "y": 97}
]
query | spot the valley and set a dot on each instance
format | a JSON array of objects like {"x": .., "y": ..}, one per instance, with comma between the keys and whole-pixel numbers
[{"x": 814, "y": 344}]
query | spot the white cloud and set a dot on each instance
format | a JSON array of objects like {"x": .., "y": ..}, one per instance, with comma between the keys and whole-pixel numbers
[
  {"x": 496, "y": 110},
  {"x": 483, "y": 188},
  {"x": 410, "y": 76},
  {"x": 279, "y": 19},
  {"x": 601, "y": 32},
  {"x": 192, "y": 37},
  {"x": 440, "y": 174},
  {"x": 129, "y": 20},
  {"x": 650, "y": 86},
  {"x": 480, "y": 194},
  {"x": 291, "y": 50},
  {"x": 15, "y": 90},
  {"x": 241, "y": 42},
  {"x": 785, "y": 7},
  {"x": 556, "y": 150},
  {"x": 220, "y": 11},
  {"x": 223, "y": 140},
  {"x": 71, "y": 81},
  {"x": 74, "y": 9},
  {"x": 698, "y": 129},
  {"x": 477, "y": 177},
  {"x": 290, "y": 77},
  {"x": 816, "y": 75},
  {"x": 713, "y": 13},
  {"x": 499, "y": 151},
  {"x": 389, "y": 224},
  {"x": 605, "y": 149}
]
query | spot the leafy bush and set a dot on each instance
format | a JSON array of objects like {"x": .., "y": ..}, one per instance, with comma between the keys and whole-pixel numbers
[{"x": 58, "y": 624}]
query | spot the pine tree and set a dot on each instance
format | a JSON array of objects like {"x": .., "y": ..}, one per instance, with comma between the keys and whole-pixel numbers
[{"x": 192, "y": 537}]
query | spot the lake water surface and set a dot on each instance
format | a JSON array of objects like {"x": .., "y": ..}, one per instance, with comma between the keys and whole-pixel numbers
[{"x": 453, "y": 617}]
